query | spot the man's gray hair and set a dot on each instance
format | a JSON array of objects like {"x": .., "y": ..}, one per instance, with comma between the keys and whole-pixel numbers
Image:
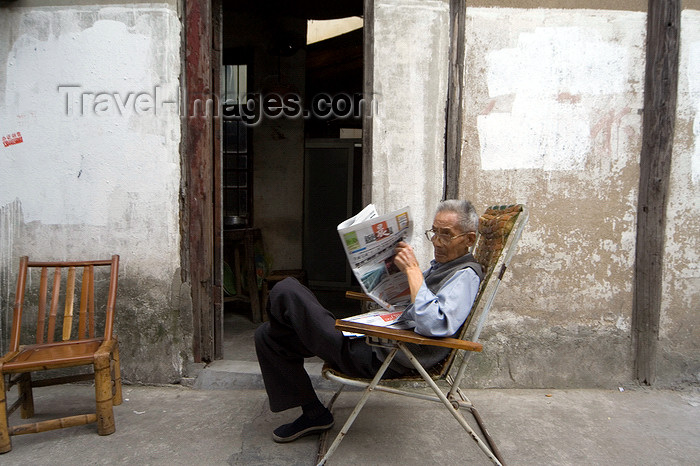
[{"x": 467, "y": 218}]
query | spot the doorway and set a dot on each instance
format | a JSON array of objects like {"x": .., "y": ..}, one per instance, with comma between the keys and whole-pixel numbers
[{"x": 302, "y": 139}]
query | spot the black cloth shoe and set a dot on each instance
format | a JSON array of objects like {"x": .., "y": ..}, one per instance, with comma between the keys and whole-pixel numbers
[{"x": 304, "y": 425}]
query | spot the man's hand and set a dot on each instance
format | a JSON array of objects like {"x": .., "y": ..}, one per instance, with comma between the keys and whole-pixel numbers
[
  {"x": 406, "y": 261},
  {"x": 405, "y": 257}
]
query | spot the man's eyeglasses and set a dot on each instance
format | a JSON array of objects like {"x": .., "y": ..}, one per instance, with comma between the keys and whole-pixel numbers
[{"x": 443, "y": 238}]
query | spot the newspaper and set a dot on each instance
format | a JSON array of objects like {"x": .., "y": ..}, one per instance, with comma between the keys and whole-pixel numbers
[{"x": 370, "y": 240}]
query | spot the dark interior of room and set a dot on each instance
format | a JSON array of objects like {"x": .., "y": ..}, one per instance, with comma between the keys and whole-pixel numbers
[{"x": 331, "y": 67}]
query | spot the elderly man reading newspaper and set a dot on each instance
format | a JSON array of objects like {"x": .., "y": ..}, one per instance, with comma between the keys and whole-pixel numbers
[{"x": 299, "y": 327}]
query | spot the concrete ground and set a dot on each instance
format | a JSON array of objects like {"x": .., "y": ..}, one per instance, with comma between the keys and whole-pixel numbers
[
  {"x": 224, "y": 419},
  {"x": 176, "y": 425}
]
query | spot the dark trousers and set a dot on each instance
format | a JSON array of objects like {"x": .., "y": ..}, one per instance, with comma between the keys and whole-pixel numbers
[{"x": 300, "y": 327}]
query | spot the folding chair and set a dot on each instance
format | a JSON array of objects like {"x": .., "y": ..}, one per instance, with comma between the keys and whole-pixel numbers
[
  {"x": 499, "y": 231},
  {"x": 60, "y": 342}
]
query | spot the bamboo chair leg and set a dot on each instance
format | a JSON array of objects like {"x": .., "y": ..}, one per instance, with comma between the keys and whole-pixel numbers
[
  {"x": 24, "y": 387},
  {"x": 53, "y": 424},
  {"x": 103, "y": 396},
  {"x": 5, "y": 442},
  {"x": 359, "y": 406},
  {"x": 117, "y": 377},
  {"x": 457, "y": 415}
]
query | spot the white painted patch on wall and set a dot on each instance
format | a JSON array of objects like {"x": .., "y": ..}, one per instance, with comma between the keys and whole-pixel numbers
[
  {"x": 541, "y": 134},
  {"x": 544, "y": 90},
  {"x": 92, "y": 149}
]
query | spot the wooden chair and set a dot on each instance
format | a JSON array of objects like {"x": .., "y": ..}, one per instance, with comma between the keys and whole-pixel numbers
[
  {"x": 499, "y": 230},
  {"x": 60, "y": 341}
]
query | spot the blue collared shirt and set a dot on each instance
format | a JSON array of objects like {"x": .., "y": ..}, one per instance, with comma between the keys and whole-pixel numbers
[{"x": 441, "y": 314}]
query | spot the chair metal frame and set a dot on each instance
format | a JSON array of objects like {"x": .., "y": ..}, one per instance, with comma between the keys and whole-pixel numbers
[
  {"x": 453, "y": 399},
  {"x": 77, "y": 347}
]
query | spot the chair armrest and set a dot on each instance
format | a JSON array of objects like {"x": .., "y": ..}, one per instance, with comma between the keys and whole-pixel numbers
[
  {"x": 106, "y": 347},
  {"x": 357, "y": 295},
  {"x": 407, "y": 336}
]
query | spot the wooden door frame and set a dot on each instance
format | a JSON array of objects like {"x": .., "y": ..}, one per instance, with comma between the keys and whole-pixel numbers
[{"x": 199, "y": 250}]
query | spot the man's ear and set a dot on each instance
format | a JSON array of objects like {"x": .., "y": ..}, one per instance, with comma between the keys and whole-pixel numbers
[{"x": 471, "y": 238}]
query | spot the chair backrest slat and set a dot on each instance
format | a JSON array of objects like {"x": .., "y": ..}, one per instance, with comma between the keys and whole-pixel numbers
[
  {"x": 70, "y": 300},
  {"x": 41, "y": 317},
  {"x": 112, "y": 299},
  {"x": 19, "y": 304},
  {"x": 85, "y": 292},
  {"x": 55, "y": 293},
  {"x": 91, "y": 302}
]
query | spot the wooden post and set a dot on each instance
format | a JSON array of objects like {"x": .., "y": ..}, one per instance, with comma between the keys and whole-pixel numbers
[
  {"x": 218, "y": 289},
  {"x": 198, "y": 155},
  {"x": 660, "y": 89},
  {"x": 453, "y": 123},
  {"x": 368, "y": 96}
]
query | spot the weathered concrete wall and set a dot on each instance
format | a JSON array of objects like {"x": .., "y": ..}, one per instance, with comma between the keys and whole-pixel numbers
[
  {"x": 552, "y": 105},
  {"x": 411, "y": 44},
  {"x": 93, "y": 91}
]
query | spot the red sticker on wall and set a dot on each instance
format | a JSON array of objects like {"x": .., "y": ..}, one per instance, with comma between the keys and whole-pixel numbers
[{"x": 10, "y": 139}]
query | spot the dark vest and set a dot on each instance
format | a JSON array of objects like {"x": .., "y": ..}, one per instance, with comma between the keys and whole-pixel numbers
[{"x": 438, "y": 274}]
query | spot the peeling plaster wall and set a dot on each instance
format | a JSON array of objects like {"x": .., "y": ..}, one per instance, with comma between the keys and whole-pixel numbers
[
  {"x": 410, "y": 91},
  {"x": 93, "y": 91},
  {"x": 679, "y": 344},
  {"x": 552, "y": 105}
]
